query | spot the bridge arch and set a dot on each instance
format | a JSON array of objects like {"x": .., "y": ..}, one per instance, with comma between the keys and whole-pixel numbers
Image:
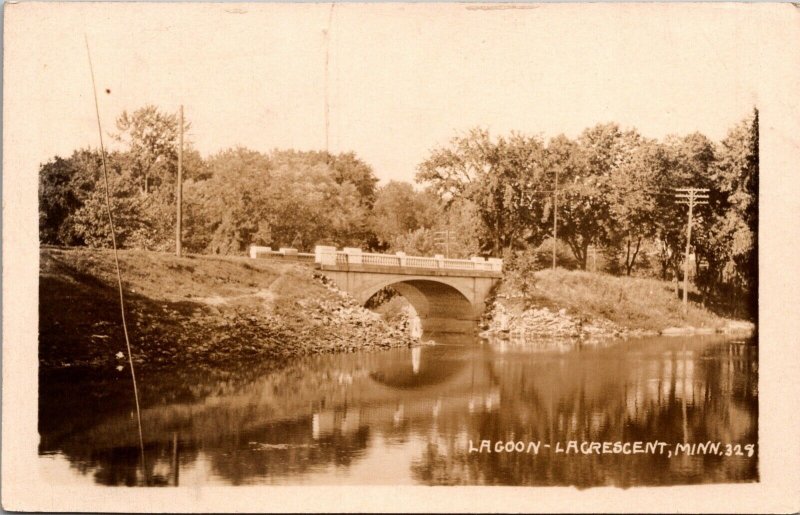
[
  {"x": 430, "y": 298},
  {"x": 442, "y": 306},
  {"x": 448, "y": 294}
]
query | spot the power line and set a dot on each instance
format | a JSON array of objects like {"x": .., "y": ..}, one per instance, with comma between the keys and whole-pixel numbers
[
  {"x": 666, "y": 193},
  {"x": 116, "y": 259},
  {"x": 555, "y": 218},
  {"x": 179, "y": 200},
  {"x": 443, "y": 238}
]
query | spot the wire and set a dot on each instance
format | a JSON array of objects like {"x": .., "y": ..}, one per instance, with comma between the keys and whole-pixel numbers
[
  {"x": 623, "y": 192},
  {"x": 116, "y": 259}
]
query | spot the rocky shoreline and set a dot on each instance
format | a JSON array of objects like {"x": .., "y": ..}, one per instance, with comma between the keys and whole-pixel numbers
[
  {"x": 198, "y": 312},
  {"x": 506, "y": 319},
  {"x": 210, "y": 312}
]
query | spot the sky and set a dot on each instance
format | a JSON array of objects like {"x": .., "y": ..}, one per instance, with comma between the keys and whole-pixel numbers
[{"x": 389, "y": 82}]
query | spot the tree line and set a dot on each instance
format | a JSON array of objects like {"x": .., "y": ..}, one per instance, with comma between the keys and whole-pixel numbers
[{"x": 610, "y": 189}]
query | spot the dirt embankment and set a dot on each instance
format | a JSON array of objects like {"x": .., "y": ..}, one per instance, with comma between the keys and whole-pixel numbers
[
  {"x": 572, "y": 304},
  {"x": 200, "y": 311}
]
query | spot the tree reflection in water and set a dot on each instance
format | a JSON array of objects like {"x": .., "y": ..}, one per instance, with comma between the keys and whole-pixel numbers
[
  {"x": 676, "y": 392},
  {"x": 327, "y": 413}
]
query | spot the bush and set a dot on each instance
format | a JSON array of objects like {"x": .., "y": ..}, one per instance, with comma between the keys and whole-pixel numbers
[
  {"x": 564, "y": 257},
  {"x": 521, "y": 267}
]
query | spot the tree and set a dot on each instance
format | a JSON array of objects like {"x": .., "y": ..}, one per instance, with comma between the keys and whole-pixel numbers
[
  {"x": 736, "y": 172},
  {"x": 633, "y": 198},
  {"x": 344, "y": 168},
  {"x": 285, "y": 199},
  {"x": 228, "y": 207},
  {"x": 336, "y": 192},
  {"x": 688, "y": 161},
  {"x": 151, "y": 139},
  {"x": 586, "y": 168},
  {"x": 463, "y": 223},
  {"x": 497, "y": 177},
  {"x": 421, "y": 242},
  {"x": 73, "y": 210},
  {"x": 58, "y": 199},
  {"x": 137, "y": 222},
  {"x": 347, "y": 168},
  {"x": 399, "y": 209},
  {"x": 524, "y": 163}
]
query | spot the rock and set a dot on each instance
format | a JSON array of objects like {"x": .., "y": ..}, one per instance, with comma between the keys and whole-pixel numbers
[
  {"x": 502, "y": 320},
  {"x": 736, "y": 326},
  {"x": 677, "y": 331}
]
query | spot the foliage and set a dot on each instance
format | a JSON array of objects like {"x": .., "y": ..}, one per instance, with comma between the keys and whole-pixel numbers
[
  {"x": 135, "y": 216},
  {"x": 494, "y": 195},
  {"x": 151, "y": 139},
  {"x": 731, "y": 249},
  {"x": 499, "y": 177},
  {"x": 225, "y": 207},
  {"x": 564, "y": 256},
  {"x": 616, "y": 191},
  {"x": 59, "y": 197},
  {"x": 461, "y": 219},
  {"x": 73, "y": 206},
  {"x": 688, "y": 161},
  {"x": 631, "y": 302},
  {"x": 421, "y": 242},
  {"x": 521, "y": 266},
  {"x": 633, "y": 200},
  {"x": 344, "y": 168},
  {"x": 287, "y": 199},
  {"x": 231, "y": 200},
  {"x": 399, "y": 209},
  {"x": 581, "y": 195},
  {"x": 348, "y": 168}
]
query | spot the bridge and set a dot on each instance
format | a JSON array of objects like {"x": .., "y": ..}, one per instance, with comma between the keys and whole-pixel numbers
[{"x": 449, "y": 295}]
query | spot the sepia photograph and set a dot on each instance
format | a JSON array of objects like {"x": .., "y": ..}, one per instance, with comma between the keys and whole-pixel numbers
[{"x": 353, "y": 246}]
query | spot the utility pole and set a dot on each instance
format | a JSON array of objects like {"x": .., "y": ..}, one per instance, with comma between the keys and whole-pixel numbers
[
  {"x": 691, "y": 197},
  {"x": 555, "y": 218},
  {"x": 446, "y": 241},
  {"x": 178, "y": 233}
]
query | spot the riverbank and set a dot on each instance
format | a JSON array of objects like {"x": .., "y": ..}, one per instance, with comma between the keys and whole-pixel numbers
[
  {"x": 200, "y": 311},
  {"x": 564, "y": 303}
]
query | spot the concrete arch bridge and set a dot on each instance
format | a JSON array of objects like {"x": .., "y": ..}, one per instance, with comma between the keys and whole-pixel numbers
[{"x": 449, "y": 295}]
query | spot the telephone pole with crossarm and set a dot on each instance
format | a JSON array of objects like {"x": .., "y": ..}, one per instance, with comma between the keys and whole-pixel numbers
[{"x": 691, "y": 197}]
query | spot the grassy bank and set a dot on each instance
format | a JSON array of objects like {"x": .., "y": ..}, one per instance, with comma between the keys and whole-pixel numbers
[
  {"x": 197, "y": 310},
  {"x": 574, "y": 300}
]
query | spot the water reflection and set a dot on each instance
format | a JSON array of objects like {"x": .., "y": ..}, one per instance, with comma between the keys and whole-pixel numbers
[{"x": 347, "y": 418}]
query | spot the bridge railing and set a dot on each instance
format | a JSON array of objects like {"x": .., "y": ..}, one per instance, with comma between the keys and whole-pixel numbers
[
  {"x": 421, "y": 262},
  {"x": 326, "y": 255},
  {"x": 284, "y": 253},
  {"x": 379, "y": 259}
]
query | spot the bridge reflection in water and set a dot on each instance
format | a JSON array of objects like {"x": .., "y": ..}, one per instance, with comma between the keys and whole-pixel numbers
[{"x": 408, "y": 415}]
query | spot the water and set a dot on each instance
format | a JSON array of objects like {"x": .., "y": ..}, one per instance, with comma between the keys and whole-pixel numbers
[{"x": 411, "y": 416}]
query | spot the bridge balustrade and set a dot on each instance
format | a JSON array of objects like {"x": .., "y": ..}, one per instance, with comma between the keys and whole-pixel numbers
[
  {"x": 325, "y": 255},
  {"x": 381, "y": 260},
  {"x": 421, "y": 262},
  {"x": 286, "y": 254}
]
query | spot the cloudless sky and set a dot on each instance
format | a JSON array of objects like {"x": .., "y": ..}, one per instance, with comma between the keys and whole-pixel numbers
[{"x": 398, "y": 79}]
